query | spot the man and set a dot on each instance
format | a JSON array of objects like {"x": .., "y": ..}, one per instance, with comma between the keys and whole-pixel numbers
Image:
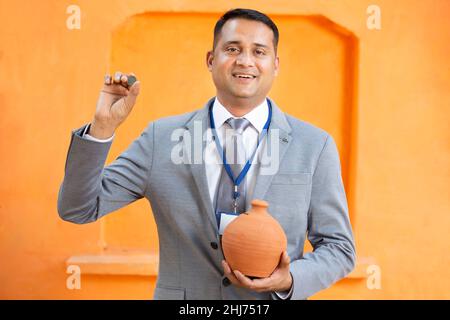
[{"x": 190, "y": 198}]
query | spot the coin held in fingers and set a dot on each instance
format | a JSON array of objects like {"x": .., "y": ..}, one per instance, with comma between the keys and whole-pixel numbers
[{"x": 131, "y": 80}]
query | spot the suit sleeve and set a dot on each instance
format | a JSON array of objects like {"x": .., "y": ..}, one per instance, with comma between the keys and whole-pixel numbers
[
  {"x": 90, "y": 190},
  {"x": 329, "y": 229}
]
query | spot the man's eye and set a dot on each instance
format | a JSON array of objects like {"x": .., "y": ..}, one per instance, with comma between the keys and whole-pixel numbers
[
  {"x": 232, "y": 50},
  {"x": 260, "y": 52}
]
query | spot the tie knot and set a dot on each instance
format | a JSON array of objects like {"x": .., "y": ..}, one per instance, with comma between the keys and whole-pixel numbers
[{"x": 239, "y": 125}]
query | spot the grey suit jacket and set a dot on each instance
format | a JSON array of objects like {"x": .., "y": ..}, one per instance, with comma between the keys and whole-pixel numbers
[{"x": 306, "y": 196}]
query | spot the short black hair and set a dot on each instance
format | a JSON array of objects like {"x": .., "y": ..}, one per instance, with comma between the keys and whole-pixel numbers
[{"x": 248, "y": 14}]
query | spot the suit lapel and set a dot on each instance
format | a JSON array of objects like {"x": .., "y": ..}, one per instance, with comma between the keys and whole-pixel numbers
[
  {"x": 197, "y": 126},
  {"x": 281, "y": 128}
]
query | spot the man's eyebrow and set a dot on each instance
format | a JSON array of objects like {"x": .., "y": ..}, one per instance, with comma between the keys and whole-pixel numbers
[
  {"x": 239, "y": 42},
  {"x": 261, "y": 45},
  {"x": 231, "y": 42}
]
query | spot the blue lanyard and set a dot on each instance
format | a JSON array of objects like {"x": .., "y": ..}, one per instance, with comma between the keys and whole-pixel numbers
[{"x": 247, "y": 165}]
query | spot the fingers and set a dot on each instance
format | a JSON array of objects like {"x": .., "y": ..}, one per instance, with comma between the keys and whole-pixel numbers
[
  {"x": 285, "y": 260},
  {"x": 133, "y": 93},
  {"x": 272, "y": 283},
  {"x": 226, "y": 267},
  {"x": 247, "y": 282},
  {"x": 229, "y": 274},
  {"x": 122, "y": 84},
  {"x": 117, "y": 77},
  {"x": 120, "y": 78},
  {"x": 125, "y": 80},
  {"x": 115, "y": 89},
  {"x": 107, "y": 79},
  {"x": 258, "y": 285},
  {"x": 135, "y": 88},
  {"x": 240, "y": 280}
]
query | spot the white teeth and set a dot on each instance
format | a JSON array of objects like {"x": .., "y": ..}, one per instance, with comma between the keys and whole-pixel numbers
[{"x": 244, "y": 76}]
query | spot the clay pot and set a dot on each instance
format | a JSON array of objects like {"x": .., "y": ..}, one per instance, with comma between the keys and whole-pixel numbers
[{"x": 254, "y": 242}]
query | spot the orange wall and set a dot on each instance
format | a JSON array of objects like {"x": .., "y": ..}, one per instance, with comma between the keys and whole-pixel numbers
[{"x": 386, "y": 102}]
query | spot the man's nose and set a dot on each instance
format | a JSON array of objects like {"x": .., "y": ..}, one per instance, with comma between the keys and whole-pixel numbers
[{"x": 245, "y": 59}]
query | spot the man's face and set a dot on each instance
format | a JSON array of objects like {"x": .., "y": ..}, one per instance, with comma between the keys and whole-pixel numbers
[{"x": 244, "y": 63}]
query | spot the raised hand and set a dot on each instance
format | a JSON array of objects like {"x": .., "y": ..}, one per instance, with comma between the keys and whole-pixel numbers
[{"x": 115, "y": 102}]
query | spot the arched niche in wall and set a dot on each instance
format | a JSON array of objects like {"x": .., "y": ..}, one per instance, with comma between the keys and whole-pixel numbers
[{"x": 316, "y": 83}]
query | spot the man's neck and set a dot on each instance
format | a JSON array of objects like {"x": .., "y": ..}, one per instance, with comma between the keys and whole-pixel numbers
[{"x": 239, "y": 107}]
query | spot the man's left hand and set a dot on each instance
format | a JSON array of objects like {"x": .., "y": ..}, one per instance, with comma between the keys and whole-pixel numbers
[{"x": 279, "y": 280}]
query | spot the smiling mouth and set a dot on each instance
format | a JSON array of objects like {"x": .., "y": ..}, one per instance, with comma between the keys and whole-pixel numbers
[{"x": 243, "y": 76}]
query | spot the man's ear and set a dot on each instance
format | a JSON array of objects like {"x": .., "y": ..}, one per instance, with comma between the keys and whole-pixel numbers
[
  {"x": 209, "y": 59},
  {"x": 277, "y": 65}
]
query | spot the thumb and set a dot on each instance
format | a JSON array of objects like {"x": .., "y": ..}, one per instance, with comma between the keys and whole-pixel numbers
[
  {"x": 133, "y": 93},
  {"x": 285, "y": 260}
]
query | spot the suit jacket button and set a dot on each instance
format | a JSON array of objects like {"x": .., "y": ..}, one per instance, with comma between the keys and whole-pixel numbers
[
  {"x": 214, "y": 245},
  {"x": 226, "y": 282}
]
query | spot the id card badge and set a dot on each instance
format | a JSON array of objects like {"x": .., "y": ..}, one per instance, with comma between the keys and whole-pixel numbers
[{"x": 224, "y": 219}]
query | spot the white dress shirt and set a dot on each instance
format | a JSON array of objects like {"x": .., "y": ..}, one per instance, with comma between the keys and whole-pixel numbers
[{"x": 213, "y": 161}]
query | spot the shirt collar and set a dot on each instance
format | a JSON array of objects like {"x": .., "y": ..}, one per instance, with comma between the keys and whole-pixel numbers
[{"x": 257, "y": 117}]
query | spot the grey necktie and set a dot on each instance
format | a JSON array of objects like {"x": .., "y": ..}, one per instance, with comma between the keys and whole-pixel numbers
[{"x": 236, "y": 158}]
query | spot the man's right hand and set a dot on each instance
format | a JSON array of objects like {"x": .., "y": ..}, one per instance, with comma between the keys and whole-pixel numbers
[{"x": 115, "y": 102}]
